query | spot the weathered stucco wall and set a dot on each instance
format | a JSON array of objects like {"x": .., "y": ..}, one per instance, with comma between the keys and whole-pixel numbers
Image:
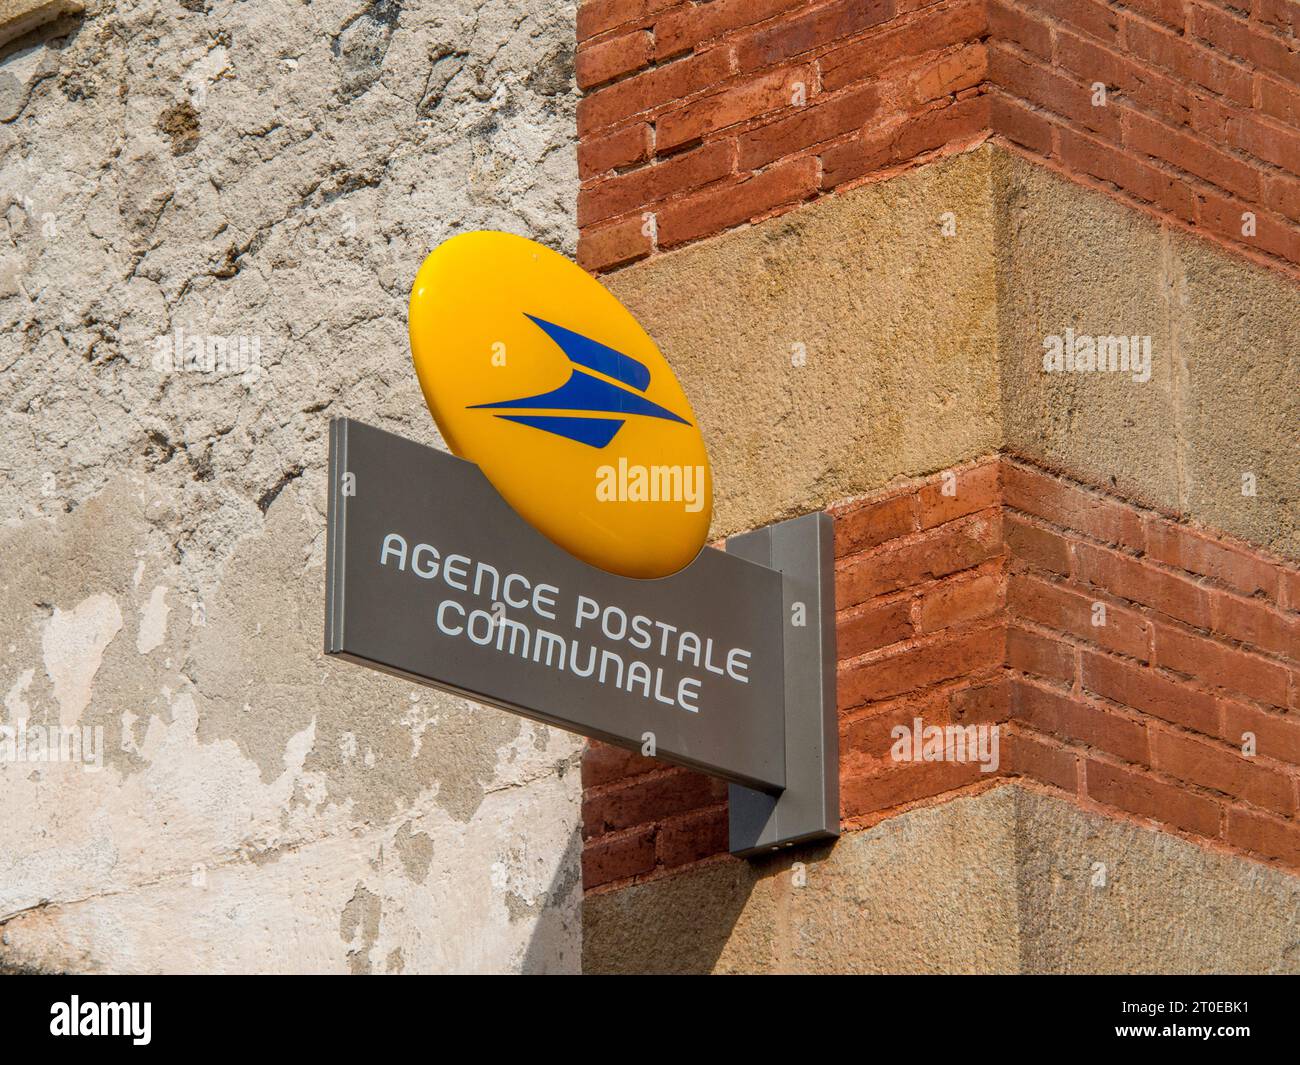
[{"x": 271, "y": 172}]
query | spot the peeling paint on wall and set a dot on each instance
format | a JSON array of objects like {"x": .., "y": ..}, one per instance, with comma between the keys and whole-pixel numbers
[
  {"x": 260, "y": 808},
  {"x": 153, "y": 621},
  {"x": 72, "y": 647}
]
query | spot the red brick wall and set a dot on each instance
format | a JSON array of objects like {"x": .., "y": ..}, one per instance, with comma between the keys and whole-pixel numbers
[
  {"x": 1202, "y": 120},
  {"x": 694, "y": 113},
  {"x": 920, "y": 590},
  {"x": 691, "y": 124},
  {"x": 978, "y": 608},
  {"x": 1146, "y": 713}
]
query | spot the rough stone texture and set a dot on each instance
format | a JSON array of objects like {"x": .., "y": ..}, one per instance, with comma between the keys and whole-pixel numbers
[
  {"x": 1000, "y": 882},
  {"x": 1222, "y": 400},
  {"x": 1238, "y": 345},
  {"x": 911, "y": 895},
  {"x": 1166, "y": 906},
  {"x": 924, "y": 350},
  {"x": 1100, "y": 269},
  {"x": 19, "y": 17},
  {"x": 898, "y": 327},
  {"x": 275, "y": 172}
]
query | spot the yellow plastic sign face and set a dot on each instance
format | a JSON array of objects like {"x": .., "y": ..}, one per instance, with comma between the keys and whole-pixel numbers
[{"x": 536, "y": 373}]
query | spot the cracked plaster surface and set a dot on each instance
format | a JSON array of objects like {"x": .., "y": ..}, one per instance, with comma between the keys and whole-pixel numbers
[{"x": 269, "y": 175}]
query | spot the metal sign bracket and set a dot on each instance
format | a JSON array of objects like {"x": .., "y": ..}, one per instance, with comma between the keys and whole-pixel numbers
[{"x": 802, "y": 550}]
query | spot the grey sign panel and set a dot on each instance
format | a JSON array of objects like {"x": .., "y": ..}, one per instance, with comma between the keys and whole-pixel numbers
[{"x": 432, "y": 576}]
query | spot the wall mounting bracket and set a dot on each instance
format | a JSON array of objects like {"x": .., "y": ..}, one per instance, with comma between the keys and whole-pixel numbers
[{"x": 802, "y": 550}]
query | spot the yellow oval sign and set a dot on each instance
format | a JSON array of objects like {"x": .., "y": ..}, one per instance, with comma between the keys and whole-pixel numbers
[{"x": 536, "y": 373}]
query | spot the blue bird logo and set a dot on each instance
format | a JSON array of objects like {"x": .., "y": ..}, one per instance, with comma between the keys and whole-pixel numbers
[{"x": 586, "y": 392}]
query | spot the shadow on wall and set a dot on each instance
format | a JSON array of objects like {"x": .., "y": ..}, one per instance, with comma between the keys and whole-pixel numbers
[
  {"x": 699, "y": 927},
  {"x": 52, "y": 25},
  {"x": 550, "y": 951}
]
